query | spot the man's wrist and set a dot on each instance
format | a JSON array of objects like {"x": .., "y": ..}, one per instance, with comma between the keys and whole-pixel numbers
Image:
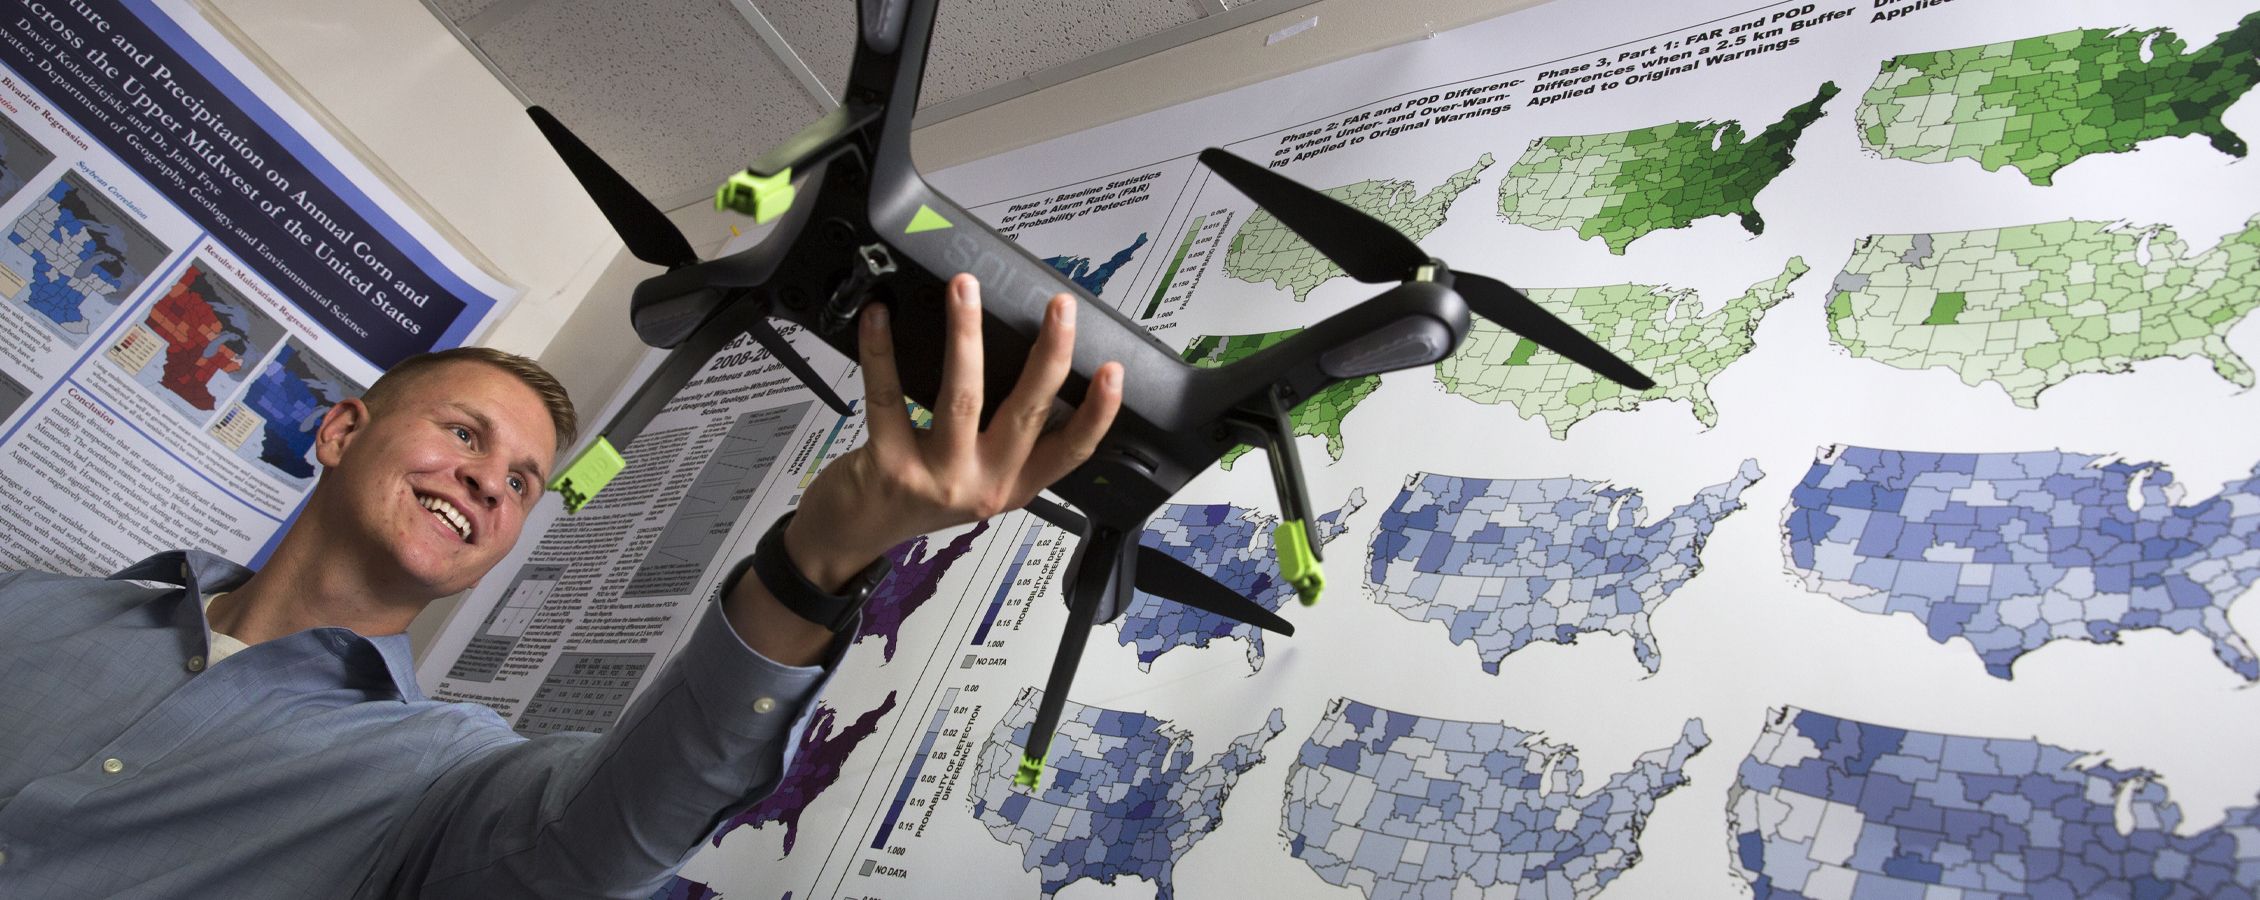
[{"x": 823, "y": 562}]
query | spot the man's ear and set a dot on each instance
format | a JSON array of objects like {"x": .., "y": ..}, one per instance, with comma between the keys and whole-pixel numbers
[{"x": 346, "y": 420}]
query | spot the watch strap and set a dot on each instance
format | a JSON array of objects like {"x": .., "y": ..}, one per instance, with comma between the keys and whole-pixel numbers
[{"x": 784, "y": 580}]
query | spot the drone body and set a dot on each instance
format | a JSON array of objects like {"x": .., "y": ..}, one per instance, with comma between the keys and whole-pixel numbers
[{"x": 857, "y": 224}]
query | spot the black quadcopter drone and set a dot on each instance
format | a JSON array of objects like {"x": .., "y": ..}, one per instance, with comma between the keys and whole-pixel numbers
[{"x": 856, "y": 224}]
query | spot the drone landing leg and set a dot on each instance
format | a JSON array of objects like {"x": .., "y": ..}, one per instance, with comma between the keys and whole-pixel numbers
[
  {"x": 1101, "y": 552},
  {"x": 1296, "y": 538}
]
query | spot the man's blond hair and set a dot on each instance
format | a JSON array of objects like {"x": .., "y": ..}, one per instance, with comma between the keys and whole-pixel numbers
[{"x": 561, "y": 416}]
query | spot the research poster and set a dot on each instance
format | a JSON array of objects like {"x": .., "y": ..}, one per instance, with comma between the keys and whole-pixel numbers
[
  {"x": 193, "y": 273},
  {"x": 1920, "y": 573}
]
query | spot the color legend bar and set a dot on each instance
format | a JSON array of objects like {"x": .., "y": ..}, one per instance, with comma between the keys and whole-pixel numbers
[
  {"x": 1011, "y": 572},
  {"x": 1191, "y": 231},
  {"x": 917, "y": 763}
]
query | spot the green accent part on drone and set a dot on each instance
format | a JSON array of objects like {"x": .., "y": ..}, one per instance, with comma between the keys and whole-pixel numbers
[
  {"x": 927, "y": 220},
  {"x": 763, "y": 198},
  {"x": 1031, "y": 770},
  {"x": 588, "y": 474},
  {"x": 1296, "y": 561}
]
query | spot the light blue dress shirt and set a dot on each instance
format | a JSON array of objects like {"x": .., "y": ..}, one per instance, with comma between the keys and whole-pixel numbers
[{"x": 312, "y": 767}]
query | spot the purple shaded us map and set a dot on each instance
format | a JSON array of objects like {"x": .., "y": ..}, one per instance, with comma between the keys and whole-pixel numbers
[
  {"x": 915, "y": 577},
  {"x": 1120, "y": 794},
  {"x": 823, "y": 756},
  {"x": 1832, "y": 808},
  {"x": 2012, "y": 550},
  {"x": 1504, "y": 563},
  {"x": 1233, "y": 546}
]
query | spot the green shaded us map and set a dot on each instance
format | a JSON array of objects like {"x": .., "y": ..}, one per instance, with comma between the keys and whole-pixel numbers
[
  {"x": 2040, "y": 103},
  {"x": 1657, "y": 329},
  {"x": 1320, "y": 416},
  {"x": 1265, "y": 250},
  {"x": 2032, "y": 305},
  {"x": 1622, "y": 185}
]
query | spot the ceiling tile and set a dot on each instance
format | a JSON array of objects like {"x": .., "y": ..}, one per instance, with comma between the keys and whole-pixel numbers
[
  {"x": 984, "y": 43},
  {"x": 674, "y": 94},
  {"x": 458, "y": 10},
  {"x": 821, "y": 33}
]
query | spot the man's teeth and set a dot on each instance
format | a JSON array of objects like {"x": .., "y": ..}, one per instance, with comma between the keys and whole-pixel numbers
[{"x": 447, "y": 513}]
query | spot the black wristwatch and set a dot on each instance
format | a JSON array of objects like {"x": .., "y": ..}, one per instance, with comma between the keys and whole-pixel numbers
[{"x": 835, "y": 612}]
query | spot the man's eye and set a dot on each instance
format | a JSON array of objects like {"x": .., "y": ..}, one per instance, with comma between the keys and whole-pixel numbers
[
  {"x": 462, "y": 434},
  {"x": 517, "y": 485}
]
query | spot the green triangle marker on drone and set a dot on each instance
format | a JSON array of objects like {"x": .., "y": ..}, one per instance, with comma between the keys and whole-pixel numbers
[{"x": 927, "y": 220}]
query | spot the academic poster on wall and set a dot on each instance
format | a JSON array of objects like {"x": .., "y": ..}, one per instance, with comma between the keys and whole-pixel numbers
[
  {"x": 1921, "y": 573},
  {"x": 193, "y": 272}
]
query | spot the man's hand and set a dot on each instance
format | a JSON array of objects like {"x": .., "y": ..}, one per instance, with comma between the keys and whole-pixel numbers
[{"x": 905, "y": 481}]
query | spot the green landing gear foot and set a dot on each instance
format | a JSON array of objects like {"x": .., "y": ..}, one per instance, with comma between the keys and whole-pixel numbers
[
  {"x": 1296, "y": 561},
  {"x": 588, "y": 473},
  {"x": 1031, "y": 769},
  {"x": 753, "y": 195}
]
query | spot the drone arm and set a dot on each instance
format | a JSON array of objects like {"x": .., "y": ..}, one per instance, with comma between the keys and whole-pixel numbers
[
  {"x": 1295, "y": 538},
  {"x": 817, "y": 142},
  {"x": 579, "y": 481},
  {"x": 1102, "y": 552}
]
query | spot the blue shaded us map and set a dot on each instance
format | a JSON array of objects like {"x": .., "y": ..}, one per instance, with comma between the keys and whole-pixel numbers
[
  {"x": 1503, "y": 563},
  {"x": 2012, "y": 550},
  {"x": 1406, "y": 806},
  {"x": 1119, "y": 796},
  {"x": 1827, "y": 807},
  {"x": 1227, "y": 543}
]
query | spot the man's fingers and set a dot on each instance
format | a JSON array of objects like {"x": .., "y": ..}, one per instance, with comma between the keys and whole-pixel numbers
[
  {"x": 957, "y": 417},
  {"x": 1060, "y": 452},
  {"x": 888, "y": 420},
  {"x": 1020, "y": 419}
]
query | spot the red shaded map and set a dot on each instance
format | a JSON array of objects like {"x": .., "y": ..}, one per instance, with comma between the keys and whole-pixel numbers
[{"x": 186, "y": 321}]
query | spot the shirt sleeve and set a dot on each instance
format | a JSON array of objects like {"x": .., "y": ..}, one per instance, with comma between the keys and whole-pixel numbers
[{"x": 612, "y": 815}]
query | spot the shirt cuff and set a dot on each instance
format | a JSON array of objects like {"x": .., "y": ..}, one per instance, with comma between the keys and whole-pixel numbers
[{"x": 745, "y": 693}]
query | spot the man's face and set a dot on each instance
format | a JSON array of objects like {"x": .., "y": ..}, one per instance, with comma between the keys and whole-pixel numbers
[{"x": 437, "y": 485}]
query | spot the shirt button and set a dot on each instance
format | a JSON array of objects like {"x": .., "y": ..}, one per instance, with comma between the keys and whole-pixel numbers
[
  {"x": 113, "y": 766},
  {"x": 764, "y": 705},
  {"x": 196, "y": 664},
  {"x": 3, "y": 857}
]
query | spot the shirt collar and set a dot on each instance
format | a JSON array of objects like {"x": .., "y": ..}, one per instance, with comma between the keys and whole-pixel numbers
[{"x": 209, "y": 574}]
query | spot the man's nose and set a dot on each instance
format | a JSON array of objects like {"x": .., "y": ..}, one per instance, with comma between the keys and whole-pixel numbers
[{"x": 485, "y": 479}]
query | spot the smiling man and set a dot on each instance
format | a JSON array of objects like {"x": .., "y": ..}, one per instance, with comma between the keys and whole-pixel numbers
[{"x": 241, "y": 735}]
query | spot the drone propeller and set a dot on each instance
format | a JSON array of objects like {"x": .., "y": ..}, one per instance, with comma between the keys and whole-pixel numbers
[
  {"x": 1372, "y": 251},
  {"x": 1365, "y": 247},
  {"x": 646, "y": 230},
  {"x": 1493, "y": 299},
  {"x": 1169, "y": 578},
  {"x": 783, "y": 352},
  {"x": 654, "y": 239}
]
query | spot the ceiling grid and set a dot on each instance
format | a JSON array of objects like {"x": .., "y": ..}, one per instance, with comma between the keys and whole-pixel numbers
[{"x": 677, "y": 93}]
